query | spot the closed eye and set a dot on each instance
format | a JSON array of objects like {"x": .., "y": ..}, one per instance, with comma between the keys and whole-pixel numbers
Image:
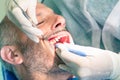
[{"x": 40, "y": 23}]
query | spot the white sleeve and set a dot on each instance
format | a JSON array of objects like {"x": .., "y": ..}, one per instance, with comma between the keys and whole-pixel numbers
[{"x": 116, "y": 66}]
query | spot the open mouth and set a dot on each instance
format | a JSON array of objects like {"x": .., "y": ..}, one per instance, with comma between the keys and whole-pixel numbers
[{"x": 61, "y": 37}]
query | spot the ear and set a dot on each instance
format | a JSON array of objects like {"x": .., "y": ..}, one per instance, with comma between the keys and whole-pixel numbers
[{"x": 11, "y": 55}]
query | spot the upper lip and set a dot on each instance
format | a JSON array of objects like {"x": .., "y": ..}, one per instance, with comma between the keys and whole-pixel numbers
[
  {"x": 46, "y": 37},
  {"x": 60, "y": 37}
]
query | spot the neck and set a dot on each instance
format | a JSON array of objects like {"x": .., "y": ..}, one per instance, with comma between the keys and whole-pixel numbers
[
  {"x": 36, "y": 76},
  {"x": 26, "y": 75},
  {"x": 41, "y": 76}
]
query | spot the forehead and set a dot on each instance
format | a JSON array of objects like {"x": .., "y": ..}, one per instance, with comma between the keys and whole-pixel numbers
[{"x": 43, "y": 8}]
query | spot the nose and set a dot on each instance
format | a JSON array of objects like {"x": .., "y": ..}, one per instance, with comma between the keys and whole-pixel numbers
[{"x": 59, "y": 22}]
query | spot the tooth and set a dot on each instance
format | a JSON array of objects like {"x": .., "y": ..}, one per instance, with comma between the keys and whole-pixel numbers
[
  {"x": 64, "y": 35},
  {"x": 59, "y": 37},
  {"x": 56, "y": 39}
]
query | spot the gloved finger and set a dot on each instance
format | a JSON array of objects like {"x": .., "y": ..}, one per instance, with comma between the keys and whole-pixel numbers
[
  {"x": 26, "y": 26},
  {"x": 32, "y": 11},
  {"x": 20, "y": 17},
  {"x": 23, "y": 4},
  {"x": 66, "y": 68},
  {"x": 32, "y": 30},
  {"x": 32, "y": 14},
  {"x": 33, "y": 37},
  {"x": 73, "y": 49},
  {"x": 58, "y": 51},
  {"x": 86, "y": 50},
  {"x": 68, "y": 57}
]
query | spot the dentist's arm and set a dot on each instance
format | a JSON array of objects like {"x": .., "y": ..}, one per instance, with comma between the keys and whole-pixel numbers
[
  {"x": 15, "y": 14},
  {"x": 96, "y": 65}
]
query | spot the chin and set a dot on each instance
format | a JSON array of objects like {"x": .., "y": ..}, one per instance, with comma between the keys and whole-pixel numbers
[
  {"x": 60, "y": 74},
  {"x": 59, "y": 37}
]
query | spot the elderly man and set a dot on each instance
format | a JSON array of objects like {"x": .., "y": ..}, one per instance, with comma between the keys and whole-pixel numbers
[{"x": 34, "y": 61}]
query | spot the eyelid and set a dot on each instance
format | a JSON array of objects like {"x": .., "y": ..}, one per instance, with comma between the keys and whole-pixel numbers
[{"x": 40, "y": 23}]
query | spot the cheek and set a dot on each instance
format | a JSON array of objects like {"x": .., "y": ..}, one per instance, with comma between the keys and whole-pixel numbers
[
  {"x": 47, "y": 51},
  {"x": 46, "y": 59},
  {"x": 45, "y": 28},
  {"x": 39, "y": 59},
  {"x": 47, "y": 25},
  {"x": 47, "y": 47}
]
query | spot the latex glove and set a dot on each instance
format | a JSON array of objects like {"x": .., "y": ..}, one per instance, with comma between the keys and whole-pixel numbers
[
  {"x": 97, "y": 65},
  {"x": 16, "y": 16}
]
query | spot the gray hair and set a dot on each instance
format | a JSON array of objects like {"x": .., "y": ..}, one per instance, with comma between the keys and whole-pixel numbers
[{"x": 8, "y": 36}]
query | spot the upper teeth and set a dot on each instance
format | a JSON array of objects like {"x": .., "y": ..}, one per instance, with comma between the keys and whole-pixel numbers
[{"x": 56, "y": 39}]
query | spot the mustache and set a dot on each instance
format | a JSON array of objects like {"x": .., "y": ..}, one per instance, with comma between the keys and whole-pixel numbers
[{"x": 48, "y": 34}]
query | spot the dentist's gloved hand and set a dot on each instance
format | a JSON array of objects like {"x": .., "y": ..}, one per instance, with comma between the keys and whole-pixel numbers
[
  {"x": 16, "y": 16},
  {"x": 97, "y": 65}
]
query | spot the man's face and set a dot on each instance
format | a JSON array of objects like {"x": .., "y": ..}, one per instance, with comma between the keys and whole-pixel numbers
[{"x": 41, "y": 56}]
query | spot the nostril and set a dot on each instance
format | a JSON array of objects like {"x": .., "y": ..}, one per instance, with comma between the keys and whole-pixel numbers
[{"x": 59, "y": 24}]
